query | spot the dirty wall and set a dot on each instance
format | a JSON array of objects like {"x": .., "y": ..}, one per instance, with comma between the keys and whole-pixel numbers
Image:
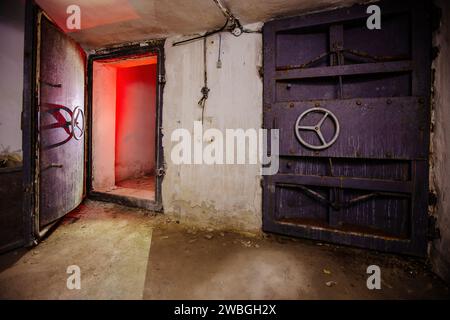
[{"x": 226, "y": 196}]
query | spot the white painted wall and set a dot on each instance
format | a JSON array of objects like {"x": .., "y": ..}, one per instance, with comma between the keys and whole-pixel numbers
[
  {"x": 226, "y": 196},
  {"x": 12, "y": 17},
  {"x": 440, "y": 160},
  {"x": 103, "y": 126}
]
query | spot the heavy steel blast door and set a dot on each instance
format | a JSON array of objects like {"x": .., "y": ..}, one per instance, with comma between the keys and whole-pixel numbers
[
  {"x": 352, "y": 107},
  {"x": 61, "y": 88}
]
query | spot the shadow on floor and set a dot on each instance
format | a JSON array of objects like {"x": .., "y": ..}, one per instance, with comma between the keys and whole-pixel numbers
[
  {"x": 192, "y": 264},
  {"x": 127, "y": 253}
]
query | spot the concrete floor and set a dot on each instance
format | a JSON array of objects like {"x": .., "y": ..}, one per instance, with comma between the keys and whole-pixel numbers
[
  {"x": 141, "y": 188},
  {"x": 126, "y": 253}
]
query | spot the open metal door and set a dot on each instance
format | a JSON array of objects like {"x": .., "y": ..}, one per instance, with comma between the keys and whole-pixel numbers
[
  {"x": 60, "y": 83},
  {"x": 352, "y": 107}
]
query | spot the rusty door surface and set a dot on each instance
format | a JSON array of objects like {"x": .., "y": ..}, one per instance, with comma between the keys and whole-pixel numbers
[
  {"x": 352, "y": 107},
  {"x": 61, "y": 86}
]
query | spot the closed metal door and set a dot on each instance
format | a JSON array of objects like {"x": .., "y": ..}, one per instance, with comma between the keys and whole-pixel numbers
[
  {"x": 352, "y": 107},
  {"x": 61, "y": 83}
]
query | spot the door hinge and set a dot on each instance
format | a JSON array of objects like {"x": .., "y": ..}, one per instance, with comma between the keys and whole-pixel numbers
[
  {"x": 433, "y": 230},
  {"x": 162, "y": 79}
]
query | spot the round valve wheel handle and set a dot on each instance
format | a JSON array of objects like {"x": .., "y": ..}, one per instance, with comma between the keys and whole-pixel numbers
[
  {"x": 77, "y": 112},
  {"x": 317, "y": 128}
]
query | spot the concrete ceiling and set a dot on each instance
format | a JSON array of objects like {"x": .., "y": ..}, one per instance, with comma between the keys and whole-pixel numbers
[{"x": 108, "y": 22}]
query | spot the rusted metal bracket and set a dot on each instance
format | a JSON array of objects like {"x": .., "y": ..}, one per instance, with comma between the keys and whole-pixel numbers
[{"x": 340, "y": 51}]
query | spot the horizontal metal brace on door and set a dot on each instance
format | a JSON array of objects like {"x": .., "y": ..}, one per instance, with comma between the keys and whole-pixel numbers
[
  {"x": 52, "y": 165},
  {"x": 338, "y": 205},
  {"x": 59, "y": 85},
  {"x": 344, "y": 70}
]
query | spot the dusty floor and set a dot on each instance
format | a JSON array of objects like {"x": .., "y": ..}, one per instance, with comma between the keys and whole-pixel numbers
[{"x": 126, "y": 253}]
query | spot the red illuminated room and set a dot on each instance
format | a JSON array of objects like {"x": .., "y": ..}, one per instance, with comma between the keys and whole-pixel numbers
[{"x": 123, "y": 127}]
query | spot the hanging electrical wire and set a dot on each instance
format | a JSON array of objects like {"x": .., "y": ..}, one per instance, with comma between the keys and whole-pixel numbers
[
  {"x": 219, "y": 61},
  {"x": 232, "y": 24},
  {"x": 205, "y": 89},
  {"x": 206, "y": 34}
]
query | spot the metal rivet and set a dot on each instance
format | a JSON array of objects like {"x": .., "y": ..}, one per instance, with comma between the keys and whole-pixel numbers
[
  {"x": 388, "y": 101},
  {"x": 358, "y": 102},
  {"x": 317, "y": 104},
  {"x": 291, "y": 105}
]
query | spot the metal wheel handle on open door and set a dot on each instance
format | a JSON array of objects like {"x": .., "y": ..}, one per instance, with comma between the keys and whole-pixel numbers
[
  {"x": 77, "y": 123},
  {"x": 317, "y": 128}
]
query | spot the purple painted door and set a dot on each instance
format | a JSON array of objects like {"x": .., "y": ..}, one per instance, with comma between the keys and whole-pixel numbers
[
  {"x": 61, "y": 81},
  {"x": 352, "y": 107}
]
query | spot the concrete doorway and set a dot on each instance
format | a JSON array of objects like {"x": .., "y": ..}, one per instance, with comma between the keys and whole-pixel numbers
[{"x": 124, "y": 136}]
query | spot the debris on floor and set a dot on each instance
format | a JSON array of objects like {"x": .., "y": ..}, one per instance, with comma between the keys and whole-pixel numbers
[
  {"x": 326, "y": 271},
  {"x": 331, "y": 283}
]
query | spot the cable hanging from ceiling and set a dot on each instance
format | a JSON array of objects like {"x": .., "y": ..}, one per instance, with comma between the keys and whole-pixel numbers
[{"x": 233, "y": 25}]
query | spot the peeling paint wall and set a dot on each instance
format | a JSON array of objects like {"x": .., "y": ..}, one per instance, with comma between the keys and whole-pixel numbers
[
  {"x": 224, "y": 196},
  {"x": 12, "y": 17},
  {"x": 440, "y": 182}
]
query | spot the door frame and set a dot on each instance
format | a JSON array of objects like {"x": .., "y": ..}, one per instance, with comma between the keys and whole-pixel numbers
[
  {"x": 152, "y": 46},
  {"x": 28, "y": 122}
]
